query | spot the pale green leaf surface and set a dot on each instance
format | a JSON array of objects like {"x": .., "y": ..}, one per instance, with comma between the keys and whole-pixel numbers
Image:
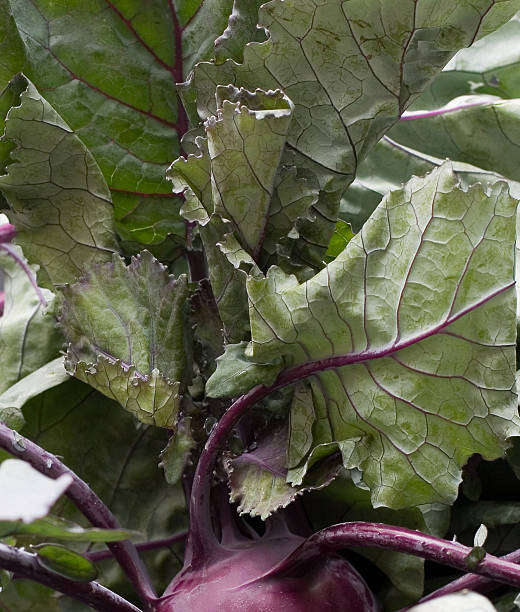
[
  {"x": 431, "y": 352},
  {"x": 241, "y": 29},
  {"x": 126, "y": 334},
  {"x": 349, "y": 91},
  {"x": 246, "y": 139},
  {"x": 60, "y": 201},
  {"x": 176, "y": 454},
  {"x": 28, "y": 335},
  {"x": 258, "y": 478},
  {"x": 26, "y": 494}
]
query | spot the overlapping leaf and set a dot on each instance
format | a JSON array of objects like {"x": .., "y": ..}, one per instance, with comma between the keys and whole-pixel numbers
[
  {"x": 410, "y": 333},
  {"x": 110, "y": 70},
  {"x": 60, "y": 201},
  {"x": 127, "y": 338}
]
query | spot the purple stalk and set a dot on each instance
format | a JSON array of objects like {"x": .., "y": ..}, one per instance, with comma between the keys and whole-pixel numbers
[
  {"x": 7, "y": 232},
  {"x": 87, "y": 502},
  {"x": 398, "y": 539},
  {"x": 101, "y": 555},
  {"x": 440, "y": 111},
  {"x": 472, "y": 581},
  {"x": 26, "y": 565},
  {"x": 19, "y": 260}
]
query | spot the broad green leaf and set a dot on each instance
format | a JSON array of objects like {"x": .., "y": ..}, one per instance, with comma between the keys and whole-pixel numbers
[
  {"x": 110, "y": 70},
  {"x": 60, "y": 201},
  {"x": 61, "y": 529},
  {"x": 127, "y": 337},
  {"x": 479, "y": 130},
  {"x": 342, "y": 108},
  {"x": 343, "y": 501},
  {"x": 417, "y": 316},
  {"x": 489, "y": 66},
  {"x": 258, "y": 478},
  {"x": 66, "y": 562},
  {"x": 458, "y": 602},
  {"x": 241, "y": 29},
  {"x": 26, "y": 494},
  {"x": 13, "y": 398},
  {"x": 176, "y": 454},
  {"x": 28, "y": 334}
]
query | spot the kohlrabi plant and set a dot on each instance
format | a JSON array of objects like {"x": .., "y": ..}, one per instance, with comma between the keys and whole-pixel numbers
[{"x": 258, "y": 308}]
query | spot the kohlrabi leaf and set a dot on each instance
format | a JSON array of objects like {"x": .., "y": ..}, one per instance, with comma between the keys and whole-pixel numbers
[
  {"x": 127, "y": 336},
  {"x": 342, "y": 235},
  {"x": 176, "y": 454},
  {"x": 479, "y": 130},
  {"x": 12, "y": 399},
  {"x": 344, "y": 106},
  {"x": 28, "y": 596},
  {"x": 59, "y": 199},
  {"x": 66, "y": 562},
  {"x": 410, "y": 337},
  {"x": 111, "y": 70},
  {"x": 457, "y": 602},
  {"x": 241, "y": 29},
  {"x": 343, "y": 501},
  {"x": 26, "y": 494},
  {"x": 246, "y": 139},
  {"x": 489, "y": 66},
  {"x": 61, "y": 529},
  {"x": 28, "y": 335},
  {"x": 258, "y": 478}
]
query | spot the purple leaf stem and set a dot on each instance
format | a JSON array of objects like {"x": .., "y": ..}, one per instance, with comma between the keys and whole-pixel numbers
[
  {"x": 19, "y": 260},
  {"x": 87, "y": 502},
  {"x": 7, "y": 232},
  {"x": 398, "y": 539},
  {"x": 440, "y": 111},
  {"x": 471, "y": 581},
  {"x": 26, "y": 565},
  {"x": 101, "y": 555},
  {"x": 202, "y": 539}
]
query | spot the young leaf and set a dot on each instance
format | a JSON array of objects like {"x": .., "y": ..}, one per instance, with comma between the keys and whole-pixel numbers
[
  {"x": 26, "y": 494},
  {"x": 60, "y": 201},
  {"x": 66, "y": 562},
  {"x": 126, "y": 334},
  {"x": 177, "y": 452},
  {"x": 258, "y": 478},
  {"x": 241, "y": 29},
  {"x": 415, "y": 317}
]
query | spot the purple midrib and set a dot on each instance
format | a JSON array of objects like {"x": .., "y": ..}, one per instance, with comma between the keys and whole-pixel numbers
[{"x": 305, "y": 369}]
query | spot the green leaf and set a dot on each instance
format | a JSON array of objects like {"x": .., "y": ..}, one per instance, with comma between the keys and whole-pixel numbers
[
  {"x": 177, "y": 452},
  {"x": 124, "y": 104},
  {"x": 28, "y": 495},
  {"x": 12, "y": 400},
  {"x": 28, "y": 334},
  {"x": 60, "y": 201},
  {"x": 127, "y": 337},
  {"x": 236, "y": 370},
  {"x": 66, "y": 562},
  {"x": 342, "y": 235},
  {"x": 414, "y": 349},
  {"x": 458, "y": 602},
  {"x": 28, "y": 596},
  {"x": 61, "y": 529},
  {"x": 241, "y": 29},
  {"x": 257, "y": 478},
  {"x": 342, "y": 108}
]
